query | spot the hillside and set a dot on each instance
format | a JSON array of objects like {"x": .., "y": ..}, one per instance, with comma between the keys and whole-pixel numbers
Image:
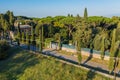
[{"x": 23, "y": 65}]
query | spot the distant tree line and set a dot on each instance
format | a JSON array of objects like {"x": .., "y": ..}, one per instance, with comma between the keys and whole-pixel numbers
[{"x": 6, "y": 23}]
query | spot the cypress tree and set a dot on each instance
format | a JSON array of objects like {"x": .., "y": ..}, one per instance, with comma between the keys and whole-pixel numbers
[
  {"x": 19, "y": 33},
  {"x": 33, "y": 35},
  {"x": 42, "y": 35},
  {"x": 85, "y": 13},
  {"x": 112, "y": 53},
  {"x": 28, "y": 40},
  {"x": 11, "y": 21},
  {"x": 103, "y": 48},
  {"x": 78, "y": 48},
  {"x": 68, "y": 15},
  {"x": 23, "y": 37},
  {"x": 59, "y": 41},
  {"x": 40, "y": 39}
]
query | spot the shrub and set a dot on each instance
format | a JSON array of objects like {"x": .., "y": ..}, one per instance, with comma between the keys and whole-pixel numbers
[
  {"x": 47, "y": 41},
  {"x": 4, "y": 47}
]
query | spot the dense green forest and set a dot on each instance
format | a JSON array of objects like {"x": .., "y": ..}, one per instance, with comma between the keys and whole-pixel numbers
[{"x": 94, "y": 32}]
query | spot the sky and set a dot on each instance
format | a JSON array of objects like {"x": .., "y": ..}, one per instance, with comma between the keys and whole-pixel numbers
[{"x": 43, "y": 8}]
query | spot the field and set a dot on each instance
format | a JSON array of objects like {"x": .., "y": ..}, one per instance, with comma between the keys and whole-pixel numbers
[{"x": 23, "y": 65}]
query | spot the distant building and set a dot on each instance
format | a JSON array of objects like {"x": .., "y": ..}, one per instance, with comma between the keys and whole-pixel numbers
[{"x": 23, "y": 28}]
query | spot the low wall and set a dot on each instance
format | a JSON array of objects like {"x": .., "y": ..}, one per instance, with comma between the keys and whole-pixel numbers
[
  {"x": 94, "y": 55},
  {"x": 69, "y": 50},
  {"x": 85, "y": 53}
]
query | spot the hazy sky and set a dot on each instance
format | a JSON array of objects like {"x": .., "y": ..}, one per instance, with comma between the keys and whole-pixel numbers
[{"x": 43, "y": 8}]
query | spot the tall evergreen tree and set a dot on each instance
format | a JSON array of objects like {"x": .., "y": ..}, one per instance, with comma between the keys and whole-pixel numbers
[
  {"x": 23, "y": 37},
  {"x": 112, "y": 49},
  {"x": 28, "y": 40},
  {"x": 59, "y": 41},
  {"x": 41, "y": 39},
  {"x": 85, "y": 13},
  {"x": 103, "y": 48},
  {"x": 33, "y": 35},
  {"x": 11, "y": 21},
  {"x": 6, "y": 25},
  {"x": 19, "y": 33},
  {"x": 77, "y": 38},
  {"x": 78, "y": 48},
  {"x": 42, "y": 36}
]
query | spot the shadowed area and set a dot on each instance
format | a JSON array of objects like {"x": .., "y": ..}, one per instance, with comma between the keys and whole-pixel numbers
[{"x": 90, "y": 56}]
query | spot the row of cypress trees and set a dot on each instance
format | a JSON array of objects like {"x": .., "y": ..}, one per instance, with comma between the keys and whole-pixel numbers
[{"x": 29, "y": 38}]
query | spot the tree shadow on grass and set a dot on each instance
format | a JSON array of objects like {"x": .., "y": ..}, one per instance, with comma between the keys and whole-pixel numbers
[
  {"x": 90, "y": 75},
  {"x": 16, "y": 64},
  {"x": 90, "y": 56}
]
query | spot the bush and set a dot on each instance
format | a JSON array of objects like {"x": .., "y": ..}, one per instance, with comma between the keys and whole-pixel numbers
[
  {"x": 4, "y": 47},
  {"x": 47, "y": 41}
]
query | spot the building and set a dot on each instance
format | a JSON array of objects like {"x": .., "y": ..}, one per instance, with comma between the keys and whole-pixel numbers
[{"x": 23, "y": 28}]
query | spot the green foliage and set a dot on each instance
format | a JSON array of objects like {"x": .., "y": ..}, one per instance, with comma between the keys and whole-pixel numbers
[
  {"x": 43, "y": 36},
  {"x": 41, "y": 39},
  {"x": 7, "y": 21},
  {"x": 78, "y": 47},
  {"x": 6, "y": 26},
  {"x": 68, "y": 23},
  {"x": 28, "y": 40},
  {"x": 56, "y": 36},
  {"x": 99, "y": 38},
  {"x": 4, "y": 47},
  {"x": 63, "y": 33},
  {"x": 85, "y": 14},
  {"x": 59, "y": 42},
  {"x": 33, "y": 37},
  {"x": 48, "y": 41},
  {"x": 37, "y": 29},
  {"x": 111, "y": 64},
  {"x": 23, "y": 65},
  {"x": 19, "y": 36},
  {"x": 23, "y": 37},
  {"x": 102, "y": 48},
  {"x": 79, "y": 56},
  {"x": 112, "y": 50}
]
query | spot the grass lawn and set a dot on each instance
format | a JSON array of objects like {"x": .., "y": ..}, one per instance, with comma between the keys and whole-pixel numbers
[{"x": 23, "y": 65}]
